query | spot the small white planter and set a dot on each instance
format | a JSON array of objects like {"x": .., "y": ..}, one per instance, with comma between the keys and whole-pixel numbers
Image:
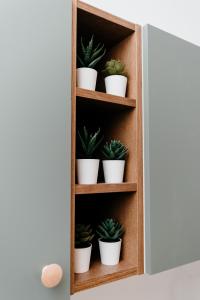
[
  {"x": 116, "y": 85},
  {"x": 110, "y": 252},
  {"x": 82, "y": 259},
  {"x": 86, "y": 78},
  {"x": 113, "y": 171},
  {"x": 87, "y": 171}
]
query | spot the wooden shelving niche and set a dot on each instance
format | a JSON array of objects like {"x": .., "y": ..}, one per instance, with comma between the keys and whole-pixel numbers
[{"x": 120, "y": 118}]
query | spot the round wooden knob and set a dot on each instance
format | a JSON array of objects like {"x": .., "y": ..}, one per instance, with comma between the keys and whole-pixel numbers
[{"x": 51, "y": 275}]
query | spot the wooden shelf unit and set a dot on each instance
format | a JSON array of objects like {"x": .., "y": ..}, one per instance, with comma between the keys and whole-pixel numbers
[{"x": 119, "y": 118}]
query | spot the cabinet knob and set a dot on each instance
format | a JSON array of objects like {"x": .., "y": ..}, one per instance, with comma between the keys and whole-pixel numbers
[{"x": 51, "y": 275}]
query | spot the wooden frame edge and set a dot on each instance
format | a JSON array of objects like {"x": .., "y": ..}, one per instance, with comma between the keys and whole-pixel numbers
[
  {"x": 73, "y": 146},
  {"x": 140, "y": 153}
]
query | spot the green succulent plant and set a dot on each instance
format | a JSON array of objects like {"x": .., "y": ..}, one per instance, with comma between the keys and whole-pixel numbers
[
  {"x": 114, "y": 150},
  {"x": 89, "y": 142},
  {"x": 114, "y": 67},
  {"x": 83, "y": 235},
  {"x": 90, "y": 54},
  {"x": 109, "y": 230}
]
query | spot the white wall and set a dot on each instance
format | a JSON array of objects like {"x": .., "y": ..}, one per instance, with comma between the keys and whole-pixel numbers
[{"x": 179, "y": 17}]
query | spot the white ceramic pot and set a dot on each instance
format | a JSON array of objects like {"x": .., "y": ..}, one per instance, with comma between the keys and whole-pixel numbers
[
  {"x": 86, "y": 78},
  {"x": 82, "y": 259},
  {"x": 110, "y": 252},
  {"x": 87, "y": 171},
  {"x": 116, "y": 85},
  {"x": 113, "y": 171}
]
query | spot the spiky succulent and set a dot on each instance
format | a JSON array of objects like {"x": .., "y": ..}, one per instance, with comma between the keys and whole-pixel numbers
[
  {"x": 114, "y": 67},
  {"x": 83, "y": 235},
  {"x": 109, "y": 230},
  {"x": 89, "y": 142},
  {"x": 90, "y": 54},
  {"x": 114, "y": 150}
]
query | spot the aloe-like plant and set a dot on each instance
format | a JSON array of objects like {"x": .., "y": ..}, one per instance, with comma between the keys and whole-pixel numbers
[
  {"x": 90, "y": 54},
  {"x": 109, "y": 230},
  {"x": 89, "y": 142},
  {"x": 83, "y": 235},
  {"x": 114, "y": 67},
  {"x": 114, "y": 150}
]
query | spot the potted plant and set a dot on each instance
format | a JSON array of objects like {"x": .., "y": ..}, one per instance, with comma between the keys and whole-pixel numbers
[
  {"x": 116, "y": 78},
  {"x": 83, "y": 247},
  {"x": 88, "y": 166},
  {"x": 110, "y": 233},
  {"x": 88, "y": 57},
  {"x": 114, "y": 162}
]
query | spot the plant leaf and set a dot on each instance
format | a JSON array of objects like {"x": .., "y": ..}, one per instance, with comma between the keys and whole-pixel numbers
[
  {"x": 89, "y": 50},
  {"x": 83, "y": 143},
  {"x": 97, "y": 52},
  {"x": 105, "y": 233},
  {"x": 83, "y": 47},
  {"x": 93, "y": 63},
  {"x": 80, "y": 60},
  {"x": 86, "y": 135}
]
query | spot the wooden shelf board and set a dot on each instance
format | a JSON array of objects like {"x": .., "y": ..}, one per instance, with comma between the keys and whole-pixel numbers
[
  {"x": 99, "y": 188},
  {"x": 87, "y": 95},
  {"x": 99, "y": 274}
]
